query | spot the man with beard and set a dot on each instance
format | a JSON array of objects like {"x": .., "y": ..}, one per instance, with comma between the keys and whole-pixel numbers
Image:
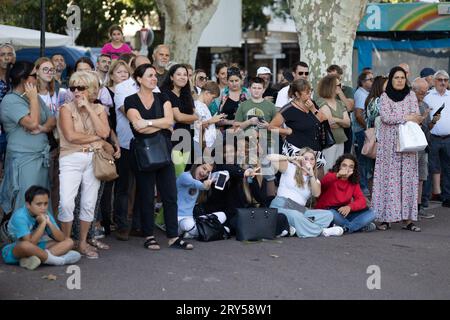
[{"x": 161, "y": 58}]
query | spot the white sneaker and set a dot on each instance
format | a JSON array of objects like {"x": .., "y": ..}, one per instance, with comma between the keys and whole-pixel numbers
[
  {"x": 292, "y": 231},
  {"x": 333, "y": 231},
  {"x": 30, "y": 263},
  {"x": 284, "y": 233},
  {"x": 71, "y": 257}
]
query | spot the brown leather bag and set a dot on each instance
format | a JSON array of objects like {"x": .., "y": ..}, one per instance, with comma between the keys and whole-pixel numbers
[{"x": 104, "y": 166}]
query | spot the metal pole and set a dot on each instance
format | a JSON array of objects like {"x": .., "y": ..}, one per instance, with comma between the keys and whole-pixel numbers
[
  {"x": 246, "y": 53},
  {"x": 43, "y": 23}
]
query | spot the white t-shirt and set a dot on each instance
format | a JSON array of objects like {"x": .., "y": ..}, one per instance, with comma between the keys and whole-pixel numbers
[
  {"x": 283, "y": 97},
  {"x": 51, "y": 102},
  {"x": 435, "y": 101},
  {"x": 123, "y": 90},
  {"x": 203, "y": 113},
  {"x": 105, "y": 97},
  {"x": 288, "y": 186}
]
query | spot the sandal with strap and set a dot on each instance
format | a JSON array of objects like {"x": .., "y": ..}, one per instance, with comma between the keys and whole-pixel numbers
[
  {"x": 90, "y": 254},
  {"x": 384, "y": 226},
  {"x": 181, "y": 244},
  {"x": 152, "y": 244},
  {"x": 412, "y": 227},
  {"x": 98, "y": 244}
]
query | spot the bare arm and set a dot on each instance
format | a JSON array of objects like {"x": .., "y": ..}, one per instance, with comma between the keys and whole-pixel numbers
[
  {"x": 349, "y": 103},
  {"x": 31, "y": 122},
  {"x": 141, "y": 125},
  {"x": 36, "y": 236},
  {"x": 100, "y": 122},
  {"x": 181, "y": 117},
  {"x": 69, "y": 132},
  {"x": 279, "y": 162},
  {"x": 359, "y": 115},
  {"x": 276, "y": 123}
]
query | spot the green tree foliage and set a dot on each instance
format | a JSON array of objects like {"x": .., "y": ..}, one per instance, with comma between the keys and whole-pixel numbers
[
  {"x": 253, "y": 17},
  {"x": 96, "y": 16}
]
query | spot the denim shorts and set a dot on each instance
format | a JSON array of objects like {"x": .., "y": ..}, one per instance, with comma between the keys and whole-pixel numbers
[{"x": 8, "y": 256}]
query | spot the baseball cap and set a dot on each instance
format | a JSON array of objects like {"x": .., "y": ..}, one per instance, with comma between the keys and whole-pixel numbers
[
  {"x": 263, "y": 70},
  {"x": 427, "y": 72}
]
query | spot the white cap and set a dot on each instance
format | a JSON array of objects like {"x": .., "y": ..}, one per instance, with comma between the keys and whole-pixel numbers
[{"x": 263, "y": 70}]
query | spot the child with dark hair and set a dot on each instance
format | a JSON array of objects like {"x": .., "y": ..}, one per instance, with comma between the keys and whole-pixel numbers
[
  {"x": 341, "y": 193},
  {"x": 37, "y": 238}
]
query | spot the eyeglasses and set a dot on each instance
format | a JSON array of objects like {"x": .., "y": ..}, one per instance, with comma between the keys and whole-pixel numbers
[
  {"x": 79, "y": 88},
  {"x": 49, "y": 70},
  {"x": 203, "y": 78},
  {"x": 442, "y": 80},
  {"x": 369, "y": 79},
  {"x": 303, "y": 73}
]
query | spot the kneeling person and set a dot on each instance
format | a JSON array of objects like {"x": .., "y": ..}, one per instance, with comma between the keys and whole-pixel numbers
[{"x": 37, "y": 238}]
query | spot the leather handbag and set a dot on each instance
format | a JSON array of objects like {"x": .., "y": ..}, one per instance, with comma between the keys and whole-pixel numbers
[
  {"x": 326, "y": 137},
  {"x": 209, "y": 228},
  {"x": 104, "y": 166},
  {"x": 369, "y": 148},
  {"x": 255, "y": 224}
]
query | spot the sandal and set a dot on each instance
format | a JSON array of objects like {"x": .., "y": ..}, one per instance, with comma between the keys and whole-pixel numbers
[
  {"x": 152, "y": 244},
  {"x": 412, "y": 227},
  {"x": 181, "y": 244},
  {"x": 384, "y": 226},
  {"x": 98, "y": 244},
  {"x": 90, "y": 254}
]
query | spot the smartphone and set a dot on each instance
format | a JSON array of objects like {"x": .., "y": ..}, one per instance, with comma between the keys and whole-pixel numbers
[
  {"x": 260, "y": 119},
  {"x": 221, "y": 181},
  {"x": 439, "y": 110}
]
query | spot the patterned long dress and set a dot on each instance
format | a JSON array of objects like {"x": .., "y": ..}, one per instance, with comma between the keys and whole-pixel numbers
[{"x": 395, "y": 185}]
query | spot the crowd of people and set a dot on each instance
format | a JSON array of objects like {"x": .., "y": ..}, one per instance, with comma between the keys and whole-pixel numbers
[{"x": 170, "y": 129}]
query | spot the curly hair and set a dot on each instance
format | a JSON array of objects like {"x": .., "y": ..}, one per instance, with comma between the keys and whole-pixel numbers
[{"x": 354, "y": 178}]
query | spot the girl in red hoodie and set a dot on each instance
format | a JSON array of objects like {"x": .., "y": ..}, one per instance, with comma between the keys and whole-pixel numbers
[{"x": 342, "y": 195}]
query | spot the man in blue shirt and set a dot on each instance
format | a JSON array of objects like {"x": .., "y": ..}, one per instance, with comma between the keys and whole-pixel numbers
[{"x": 36, "y": 236}]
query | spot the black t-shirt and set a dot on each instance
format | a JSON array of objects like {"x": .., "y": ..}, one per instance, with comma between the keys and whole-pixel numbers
[
  {"x": 271, "y": 92},
  {"x": 305, "y": 128},
  {"x": 177, "y": 103},
  {"x": 155, "y": 112}
]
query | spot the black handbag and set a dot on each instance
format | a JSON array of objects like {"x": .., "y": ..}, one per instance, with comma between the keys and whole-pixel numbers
[
  {"x": 209, "y": 228},
  {"x": 326, "y": 137},
  {"x": 152, "y": 152},
  {"x": 255, "y": 224}
]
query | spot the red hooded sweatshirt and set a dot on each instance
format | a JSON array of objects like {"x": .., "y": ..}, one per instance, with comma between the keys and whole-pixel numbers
[{"x": 339, "y": 193}]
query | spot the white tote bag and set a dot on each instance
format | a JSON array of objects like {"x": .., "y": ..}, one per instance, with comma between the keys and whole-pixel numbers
[{"x": 411, "y": 138}]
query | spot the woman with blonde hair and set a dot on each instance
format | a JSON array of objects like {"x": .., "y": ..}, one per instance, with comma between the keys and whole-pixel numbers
[
  {"x": 83, "y": 128},
  {"x": 297, "y": 184}
]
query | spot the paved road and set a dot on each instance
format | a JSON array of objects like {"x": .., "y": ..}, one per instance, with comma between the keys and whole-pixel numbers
[{"x": 412, "y": 265}]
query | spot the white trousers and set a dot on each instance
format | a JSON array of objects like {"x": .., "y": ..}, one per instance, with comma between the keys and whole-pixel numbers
[
  {"x": 332, "y": 154},
  {"x": 74, "y": 170},
  {"x": 187, "y": 224}
]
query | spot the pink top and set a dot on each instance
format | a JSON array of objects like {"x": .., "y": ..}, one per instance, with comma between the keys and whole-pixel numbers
[{"x": 113, "y": 52}]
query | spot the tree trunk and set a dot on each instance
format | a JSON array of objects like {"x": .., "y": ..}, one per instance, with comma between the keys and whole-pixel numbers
[
  {"x": 185, "y": 21},
  {"x": 326, "y": 31}
]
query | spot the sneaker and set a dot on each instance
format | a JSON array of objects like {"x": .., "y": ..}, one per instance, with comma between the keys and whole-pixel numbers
[
  {"x": 425, "y": 215},
  {"x": 292, "y": 231},
  {"x": 425, "y": 204},
  {"x": 284, "y": 233},
  {"x": 99, "y": 233},
  {"x": 71, "y": 257},
  {"x": 370, "y": 227},
  {"x": 333, "y": 231},
  {"x": 30, "y": 263},
  {"x": 122, "y": 235}
]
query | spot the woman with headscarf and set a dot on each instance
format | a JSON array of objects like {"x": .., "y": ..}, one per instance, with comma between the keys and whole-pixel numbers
[{"x": 395, "y": 186}]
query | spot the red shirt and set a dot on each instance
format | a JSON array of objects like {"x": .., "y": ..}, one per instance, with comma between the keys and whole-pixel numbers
[{"x": 339, "y": 193}]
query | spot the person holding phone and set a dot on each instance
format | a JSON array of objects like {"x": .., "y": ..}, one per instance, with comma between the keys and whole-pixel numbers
[
  {"x": 342, "y": 195},
  {"x": 26, "y": 119},
  {"x": 440, "y": 135},
  {"x": 189, "y": 186}
]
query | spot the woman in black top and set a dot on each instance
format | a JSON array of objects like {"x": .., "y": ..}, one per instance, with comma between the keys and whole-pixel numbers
[
  {"x": 142, "y": 110},
  {"x": 177, "y": 89},
  {"x": 302, "y": 120}
]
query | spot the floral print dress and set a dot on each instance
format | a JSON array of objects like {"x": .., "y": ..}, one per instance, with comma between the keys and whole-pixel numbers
[{"x": 396, "y": 178}]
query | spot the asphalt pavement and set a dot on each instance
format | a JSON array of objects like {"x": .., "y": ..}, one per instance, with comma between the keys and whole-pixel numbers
[{"x": 394, "y": 264}]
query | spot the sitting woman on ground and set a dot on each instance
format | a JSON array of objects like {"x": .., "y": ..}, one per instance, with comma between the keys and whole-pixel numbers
[
  {"x": 150, "y": 114},
  {"x": 297, "y": 184},
  {"x": 342, "y": 195},
  {"x": 83, "y": 127},
  {"x": 189, "y": 185}
]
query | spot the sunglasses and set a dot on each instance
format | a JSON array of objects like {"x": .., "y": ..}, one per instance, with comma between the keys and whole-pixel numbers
[
  {"x": 303, "y": 73},
  {"x": 369, "y": 79},
  {"x": 442, "y": 80},
  {"x": 79, "y": 88},
  {"x": 202, "y": 78}
]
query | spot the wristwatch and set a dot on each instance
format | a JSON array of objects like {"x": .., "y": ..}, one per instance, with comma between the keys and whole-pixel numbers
[{"x": 149, "y": 123}]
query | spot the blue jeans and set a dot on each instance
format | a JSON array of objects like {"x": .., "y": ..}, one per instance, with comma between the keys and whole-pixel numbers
[
  {"x": 363, "y": 161},
  {"x": 354, "y": 221}
]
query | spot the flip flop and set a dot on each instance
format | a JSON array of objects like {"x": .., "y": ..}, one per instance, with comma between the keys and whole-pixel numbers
[{"x": 181, "y": 244}]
